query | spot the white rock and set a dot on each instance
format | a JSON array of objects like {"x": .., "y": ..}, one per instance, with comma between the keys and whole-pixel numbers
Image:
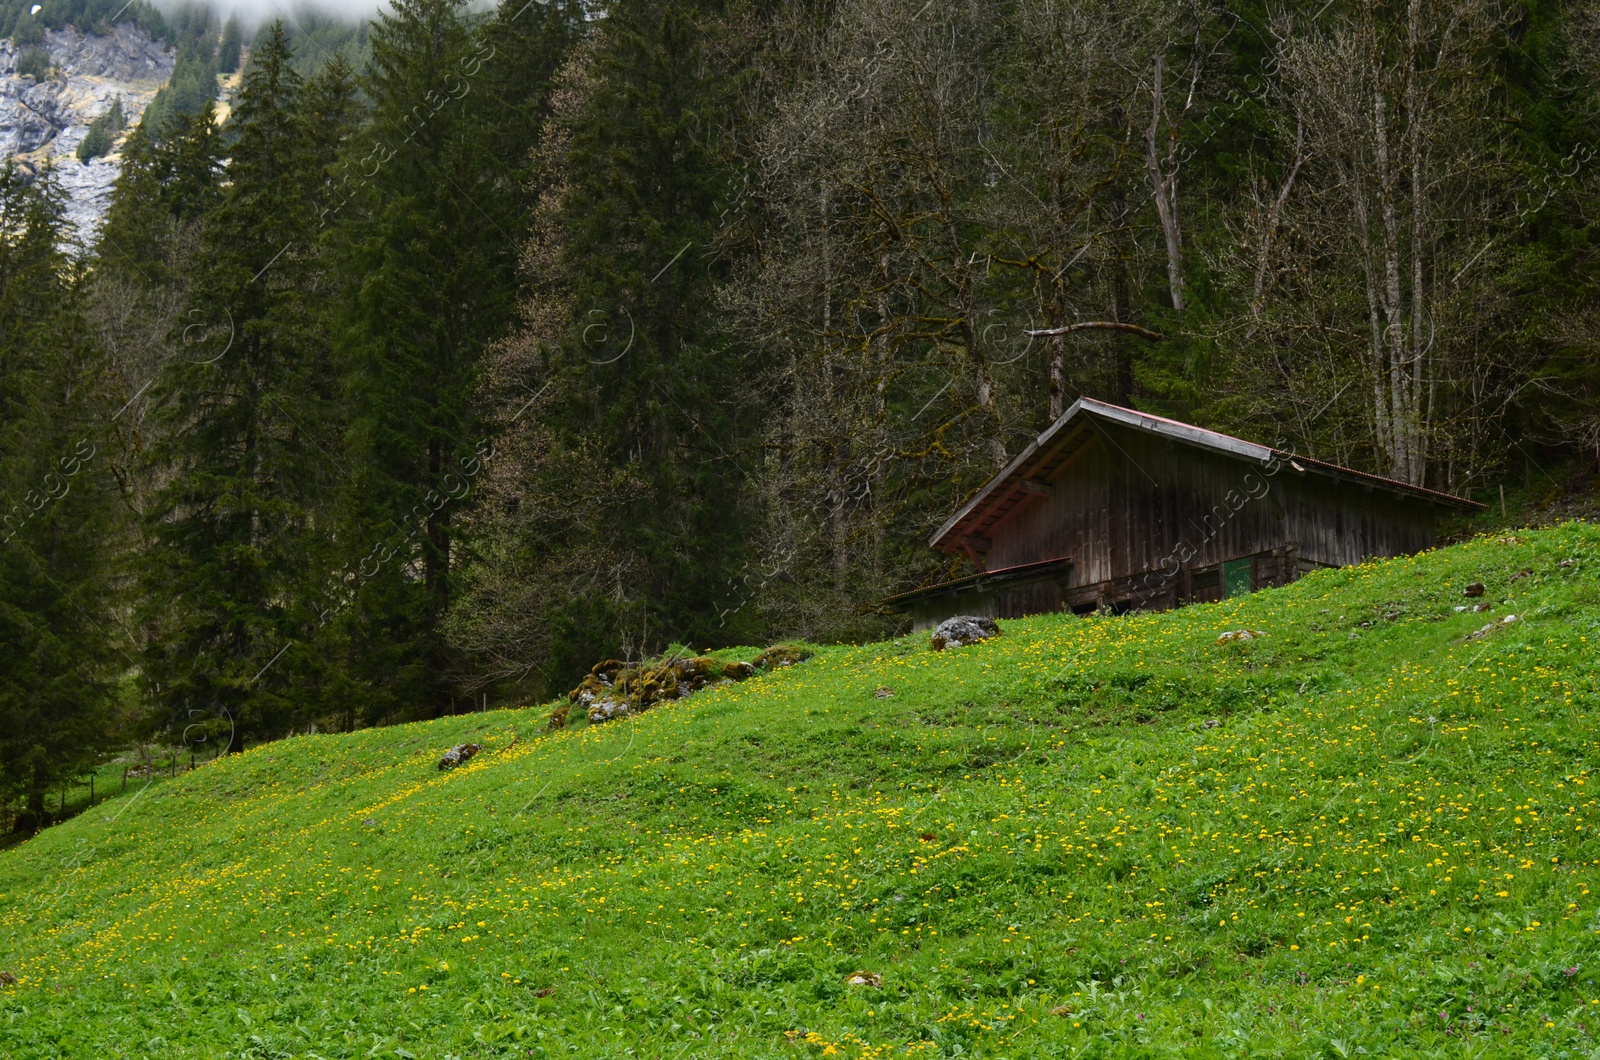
[
  {"x": 963, "y": 630},
  {"x": 45, "y": 122}
]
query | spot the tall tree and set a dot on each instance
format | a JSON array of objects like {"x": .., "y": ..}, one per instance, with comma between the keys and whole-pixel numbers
[
  {"x": 57, "y": 514},
  {"x": 427, "y": 230},
  {"x": 1385, "y": 244},
  {"x": 640, "y": 416},
  {"x": 242, "y": 430},
  {"x": 228, "y": 49}
]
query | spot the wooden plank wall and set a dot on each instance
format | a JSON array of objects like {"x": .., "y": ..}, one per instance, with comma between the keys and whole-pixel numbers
[
  {"x": 1132, "y": 503},
  {"x": 1338, "y": 524}
]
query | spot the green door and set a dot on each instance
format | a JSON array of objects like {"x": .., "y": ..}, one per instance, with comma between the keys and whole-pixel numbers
[{"x": 1236, "y": 579}]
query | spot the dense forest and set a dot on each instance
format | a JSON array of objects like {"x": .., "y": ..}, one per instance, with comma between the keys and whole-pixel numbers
[{"x": 475, "y": 345}]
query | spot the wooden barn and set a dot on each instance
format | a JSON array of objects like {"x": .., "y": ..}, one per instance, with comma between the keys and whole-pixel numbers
[{"x": 1121, "y": 510}]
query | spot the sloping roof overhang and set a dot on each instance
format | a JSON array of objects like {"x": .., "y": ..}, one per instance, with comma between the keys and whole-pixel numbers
[
  {"x": 1023, "y": 572},
  {"x": 1047, "y": 455}
]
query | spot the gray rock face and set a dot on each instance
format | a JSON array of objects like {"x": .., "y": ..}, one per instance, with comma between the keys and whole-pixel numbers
[
  {"x": 42, "y": 124},
  {"x": 963, "y": 630}
]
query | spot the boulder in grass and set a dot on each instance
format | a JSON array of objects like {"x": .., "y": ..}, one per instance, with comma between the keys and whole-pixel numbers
[
  {"x": 609, "y": 709},
  {"x": 1491, "y": 627},
  {"x": 1473, "y": 589},
  {"x": 459, "y": 754},
  {"x": 737, "y": 671},
  {"x": 1241, "y": 634},
  {"x": 962, "y": 630}
]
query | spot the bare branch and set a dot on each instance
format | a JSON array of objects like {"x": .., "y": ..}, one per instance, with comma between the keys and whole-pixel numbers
[{"x": 1099, "y": 325}]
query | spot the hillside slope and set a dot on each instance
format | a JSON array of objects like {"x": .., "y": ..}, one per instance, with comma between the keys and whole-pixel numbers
[
  {"x": 43, "y": 122},
  {"x": 1106, "y": 836}
]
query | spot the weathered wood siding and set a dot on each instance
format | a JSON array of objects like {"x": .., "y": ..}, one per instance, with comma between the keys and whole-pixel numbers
[
  {"x": 1132, "y": 503},
  {"x": 1337, "y": 524}
]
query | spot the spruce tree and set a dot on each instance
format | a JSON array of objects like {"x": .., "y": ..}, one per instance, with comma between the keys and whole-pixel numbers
[
  {"x": 57, "y": 624},
  {"x": 240, "y": 426},
  {"x": 228, "y": 50},
  {"x": 427, "y": 230},
  {"x": 530, "y": 42},
  {"x": 632, "y": 457}
]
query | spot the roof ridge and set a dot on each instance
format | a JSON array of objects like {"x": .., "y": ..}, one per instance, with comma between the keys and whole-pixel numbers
[{"x": 1177, "y": 430}]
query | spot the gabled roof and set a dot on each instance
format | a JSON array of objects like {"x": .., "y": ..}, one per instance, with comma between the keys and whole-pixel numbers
[{"x": 1036, "y": 465}]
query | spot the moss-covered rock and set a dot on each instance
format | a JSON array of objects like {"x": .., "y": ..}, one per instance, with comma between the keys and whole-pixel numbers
[
  {"x": 614, "y": 689},
  {"x": 781, "y": 655}
]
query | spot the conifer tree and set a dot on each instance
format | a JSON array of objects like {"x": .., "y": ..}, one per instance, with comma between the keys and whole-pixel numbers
[
  {"x": 56, "y": 513},
  {"x": 530, "y": 43},
  {"x": 428, "y": 233},
  {"x": 240, "y": 427},
  {"x": 228, "y": 50},
  {"x": 640, "y": 420}
]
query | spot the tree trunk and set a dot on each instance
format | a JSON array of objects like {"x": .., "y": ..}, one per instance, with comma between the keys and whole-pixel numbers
[
  {"x": 1058, "y": 378},
  {"x": 1164, "y": 189}
]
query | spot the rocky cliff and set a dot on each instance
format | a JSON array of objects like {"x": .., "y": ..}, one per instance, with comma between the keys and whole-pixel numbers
[{"x": 43, "y": 122}]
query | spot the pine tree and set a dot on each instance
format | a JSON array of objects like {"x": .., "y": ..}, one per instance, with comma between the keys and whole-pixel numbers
[
  {"x": 56, "y": 516},
  {"x": 427, "y": 229},
  {"x": 631, "y": 457},
  {"x": 228, "y": 50},
  {"x": 530, "y": 43},
  {"x": 191, "y": 165},
  {"x": 330, "y": 109},
  {"x": 134, "y": 235},
  {"x": 193, "y": 82},
  {"x": 103, "y": 132},
  {"x": 240, "y": 429}
]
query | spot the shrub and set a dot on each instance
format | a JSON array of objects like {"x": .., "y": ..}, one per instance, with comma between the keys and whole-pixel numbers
[
  {"x": 102, "y": 133},
  {"x": 29, "y": 31},
  {"x": 34, "y": 63}
]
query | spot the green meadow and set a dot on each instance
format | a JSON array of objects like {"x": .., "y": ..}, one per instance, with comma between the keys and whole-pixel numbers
[{"x": 1369, "y": 831}]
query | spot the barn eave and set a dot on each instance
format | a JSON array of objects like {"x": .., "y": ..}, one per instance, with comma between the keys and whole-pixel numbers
[{"x": 1033, "y": 471}]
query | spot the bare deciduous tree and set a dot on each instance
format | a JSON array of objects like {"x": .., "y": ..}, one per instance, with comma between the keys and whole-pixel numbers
[{"x": 1375, "y": 265}]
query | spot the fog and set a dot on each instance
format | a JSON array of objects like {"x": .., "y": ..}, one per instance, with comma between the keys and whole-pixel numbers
[{"x": 253, "y": 13}]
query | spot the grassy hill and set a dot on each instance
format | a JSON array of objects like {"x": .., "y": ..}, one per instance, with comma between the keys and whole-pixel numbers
[{"x": 1366, "y": 830}]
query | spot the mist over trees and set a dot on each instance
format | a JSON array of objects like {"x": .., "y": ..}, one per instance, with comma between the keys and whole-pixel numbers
[{"x": 477, "y": 345}]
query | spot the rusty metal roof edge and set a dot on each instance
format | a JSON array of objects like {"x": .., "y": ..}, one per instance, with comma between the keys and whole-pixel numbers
[{"x": 1227, "y": 443}]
